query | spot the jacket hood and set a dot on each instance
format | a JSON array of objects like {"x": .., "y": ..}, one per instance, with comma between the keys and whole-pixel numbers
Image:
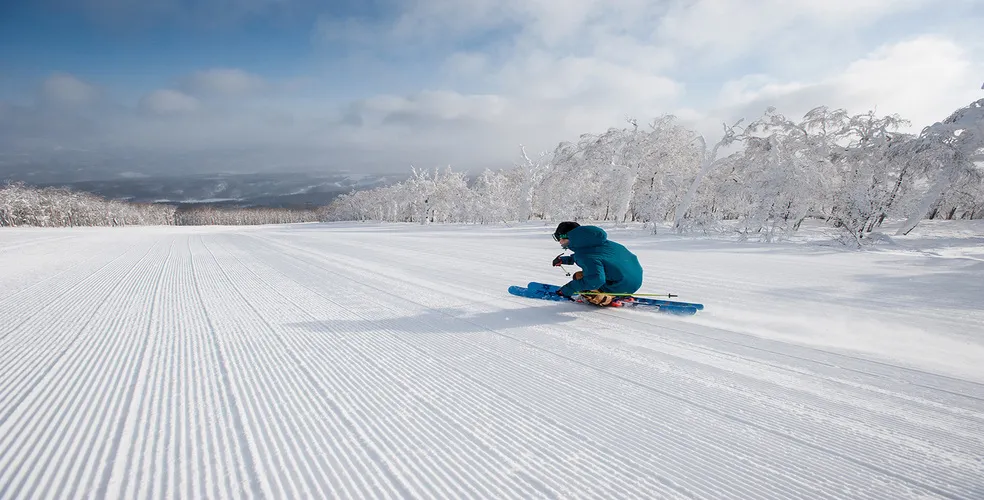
[{"x": 586, "y": 237}]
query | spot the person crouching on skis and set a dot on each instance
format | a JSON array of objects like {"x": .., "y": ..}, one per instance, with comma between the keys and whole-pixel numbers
[{"x": 607, "y": 267}]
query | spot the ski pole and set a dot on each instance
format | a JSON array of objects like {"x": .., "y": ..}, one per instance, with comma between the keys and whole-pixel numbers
[
  {"x": 635, "y": 294},
  {"x": 566, "y": 272}
]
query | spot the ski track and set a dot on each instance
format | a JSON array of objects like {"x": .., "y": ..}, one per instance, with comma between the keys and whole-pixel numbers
[{"x": 311, "y": 363}]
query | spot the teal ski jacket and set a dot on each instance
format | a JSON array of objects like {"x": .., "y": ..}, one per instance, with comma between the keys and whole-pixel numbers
[{"x": 607, "y": 266}]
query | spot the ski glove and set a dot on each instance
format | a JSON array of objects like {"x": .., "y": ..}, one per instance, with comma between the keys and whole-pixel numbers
[{"x": 563, "y": 259}]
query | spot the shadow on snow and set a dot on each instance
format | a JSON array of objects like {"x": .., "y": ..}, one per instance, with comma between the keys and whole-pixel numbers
[{"x": 450, "y": 320}]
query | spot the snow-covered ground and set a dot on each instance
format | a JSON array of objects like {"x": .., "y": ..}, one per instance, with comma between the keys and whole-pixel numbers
[{"x": 387, "y": 360}]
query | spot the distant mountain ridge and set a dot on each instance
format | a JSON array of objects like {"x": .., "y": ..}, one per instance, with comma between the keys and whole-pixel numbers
[
  {"x": 280, "y": 190},
  {"x": 209, "y": 177}
]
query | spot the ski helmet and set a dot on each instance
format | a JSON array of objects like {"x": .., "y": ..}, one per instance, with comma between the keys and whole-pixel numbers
[{"x": 563, "y": 228}]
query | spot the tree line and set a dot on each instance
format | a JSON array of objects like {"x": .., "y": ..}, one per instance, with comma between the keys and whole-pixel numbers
[
  {"x": 853, "y": 172},
  {"x": 22, "y": 205}
]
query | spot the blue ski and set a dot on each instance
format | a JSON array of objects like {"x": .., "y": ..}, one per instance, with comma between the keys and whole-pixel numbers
[
  {"x": 549, "y": 289},
  {"x": 546, "y": 291}
]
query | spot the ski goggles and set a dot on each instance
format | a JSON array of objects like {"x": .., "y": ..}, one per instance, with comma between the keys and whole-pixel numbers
[{"x": 558, "y": 237}]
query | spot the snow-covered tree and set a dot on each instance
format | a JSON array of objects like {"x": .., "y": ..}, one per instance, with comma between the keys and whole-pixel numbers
[
  {"x": 782, "y": 171},
  {"x": 526, "y": 179},
  {"x": 708, "y": 161},
  {"x": 21, "y": 205},
  {"x": 952, "y": 152},
  {"x": 669, "y": 159},
  {"x": 621, "y": 175},
  {"x": 869, "y": 170},
  {"x": 500, "y": 197},
  {"x": 579, "y": 184}
]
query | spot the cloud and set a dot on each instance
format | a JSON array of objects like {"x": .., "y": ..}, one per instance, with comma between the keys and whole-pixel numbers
[
  {"x": 589, "y": 63},
  {"x": 223, "y": 82},
  {"x": 168, "y": 102},
  {"x": 446, "y": 23},
  {"x": 734, "y": 26},
  {"x": 585, "y": 81},
  {"x": 536, "y": 72},
  {"x": 62, "y": 89},
  {"x": 435, "y": 105},
  {"x": 922, "y": 79},
  {"x": 467, "y": 64}
]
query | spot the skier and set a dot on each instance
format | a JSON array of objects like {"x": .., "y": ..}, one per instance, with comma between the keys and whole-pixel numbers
[{"x": 607, "y": 267}]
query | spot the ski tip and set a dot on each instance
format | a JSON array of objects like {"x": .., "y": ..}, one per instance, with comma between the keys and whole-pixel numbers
[{"x": 680, "y": 311}]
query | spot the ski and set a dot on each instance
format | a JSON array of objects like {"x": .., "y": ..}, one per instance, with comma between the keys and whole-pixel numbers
[
  {"x": 545, "y": 291},
  {"x": 550, "y": 289}
]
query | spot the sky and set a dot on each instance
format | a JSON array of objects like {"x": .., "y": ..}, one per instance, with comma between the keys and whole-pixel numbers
[{"x": 380, "y": 85}]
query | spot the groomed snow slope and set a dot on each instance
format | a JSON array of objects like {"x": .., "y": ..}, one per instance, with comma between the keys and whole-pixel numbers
[{"x": 378, "y": 361}]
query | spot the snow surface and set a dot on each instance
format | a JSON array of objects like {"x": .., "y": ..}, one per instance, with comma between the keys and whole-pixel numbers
[{"x": 387, "y": 360}]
